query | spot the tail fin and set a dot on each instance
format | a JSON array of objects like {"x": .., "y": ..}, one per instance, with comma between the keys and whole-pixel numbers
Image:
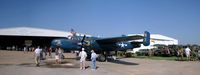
[{"x": 146, "y": 39}]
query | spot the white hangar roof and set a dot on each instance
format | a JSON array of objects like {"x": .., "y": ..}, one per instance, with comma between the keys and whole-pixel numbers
[
  {"x": 161, "y": 39},
  {"x": 30, "y": 31}
]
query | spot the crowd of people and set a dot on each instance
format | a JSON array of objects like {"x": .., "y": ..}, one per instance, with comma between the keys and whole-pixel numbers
[
  {"x": 38, "y": 53},
  {"x": 190, "y": 54},
  {"x": 181, "y": 52}
]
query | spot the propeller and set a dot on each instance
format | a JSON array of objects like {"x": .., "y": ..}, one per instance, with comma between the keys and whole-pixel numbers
[{"x": 82, "y": 41}]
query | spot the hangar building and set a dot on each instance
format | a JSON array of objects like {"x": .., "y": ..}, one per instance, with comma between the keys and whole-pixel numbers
[{"x": 18, "y": 37}]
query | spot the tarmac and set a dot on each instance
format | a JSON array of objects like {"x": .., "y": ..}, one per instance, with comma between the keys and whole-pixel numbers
[{"x": 20, "y": 63}]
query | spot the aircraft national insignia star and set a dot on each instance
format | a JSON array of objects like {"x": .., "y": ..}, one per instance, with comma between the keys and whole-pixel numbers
[{"x": 122, "y": 45}]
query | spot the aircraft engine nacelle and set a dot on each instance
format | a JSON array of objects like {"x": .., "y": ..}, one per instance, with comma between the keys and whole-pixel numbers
[{"x": 65, "y": 44}]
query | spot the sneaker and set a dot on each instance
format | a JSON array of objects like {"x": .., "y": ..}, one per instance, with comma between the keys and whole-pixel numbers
[
  {"x": 37, "y": 65},
  {"x": 83, "y": 68}
]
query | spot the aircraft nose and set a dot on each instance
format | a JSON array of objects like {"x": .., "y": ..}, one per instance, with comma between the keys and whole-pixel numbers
[{"x": 56, "y": 42}]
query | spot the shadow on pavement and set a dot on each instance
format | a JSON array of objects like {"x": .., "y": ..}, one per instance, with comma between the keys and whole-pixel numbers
[
  {"x": 52, "y": 64},
  {"x": 122, "y": 62},
  {"x": 64, "y": 64}
]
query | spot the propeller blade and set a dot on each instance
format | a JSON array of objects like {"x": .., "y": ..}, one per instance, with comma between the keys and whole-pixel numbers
[{"x": 82, "y": 41}]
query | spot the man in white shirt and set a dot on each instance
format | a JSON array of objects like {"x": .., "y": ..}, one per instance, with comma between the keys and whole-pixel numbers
[
  {"x": 93, "y": 59},
  {"x": 82, "y": 56},
  {"x": 187, "y": 52},
  {"x": 37, "y": 55}
]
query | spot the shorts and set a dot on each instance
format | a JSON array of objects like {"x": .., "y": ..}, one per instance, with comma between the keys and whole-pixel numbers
[
  {"x": 82, "y": 60},
  {"x": 56, "y": 57},
  {"x": 187, "y": 55},
  {"x": 198, "y": 55}
]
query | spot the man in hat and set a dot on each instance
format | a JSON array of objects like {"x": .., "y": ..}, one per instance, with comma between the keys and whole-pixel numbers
[
  {"x": 93, "y": 59},
  {"x": 187, "y": 52},
  {"x": 82, "y": 56},
  {"x": 37, "y": 55}
]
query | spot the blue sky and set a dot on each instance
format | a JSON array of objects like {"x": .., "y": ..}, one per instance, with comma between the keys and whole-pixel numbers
[{"x": 179, "y": 19}]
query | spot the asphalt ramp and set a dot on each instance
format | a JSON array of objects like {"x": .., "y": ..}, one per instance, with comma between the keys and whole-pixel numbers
[{"x": 52, "y": 64}]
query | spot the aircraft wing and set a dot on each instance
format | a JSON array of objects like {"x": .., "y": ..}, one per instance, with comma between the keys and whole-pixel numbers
[{"x": 119, "y": 39}]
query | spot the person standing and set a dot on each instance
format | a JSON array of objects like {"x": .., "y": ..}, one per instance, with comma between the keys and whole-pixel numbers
[
  {"x": 57, "y": 56},
  {"x": 93, "y": 59},
  {"x": 60, "y": 54},
  {"x": 82, "y": 56},
  {"x": 25, "y": 49},
  {"x": 45, "y": 52},
  {"x": 181, "y": 53},
  {"x": 37, "y": 55},
  {"x": 187, "y": 52},
  {"x": 198, "y": 55},
  {"x": 50, "y": 51},
  {"x": 33, "y": 49}
]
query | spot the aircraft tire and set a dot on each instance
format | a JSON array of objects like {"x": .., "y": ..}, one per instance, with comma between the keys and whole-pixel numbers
[{"x": 102, "y": 58}]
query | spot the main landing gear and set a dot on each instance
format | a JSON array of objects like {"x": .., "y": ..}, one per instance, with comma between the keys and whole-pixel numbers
[{"x": 102, "y": 58}]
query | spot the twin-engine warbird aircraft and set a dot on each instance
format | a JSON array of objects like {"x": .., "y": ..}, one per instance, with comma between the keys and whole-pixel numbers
[{"x": 103, "y": 46}]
